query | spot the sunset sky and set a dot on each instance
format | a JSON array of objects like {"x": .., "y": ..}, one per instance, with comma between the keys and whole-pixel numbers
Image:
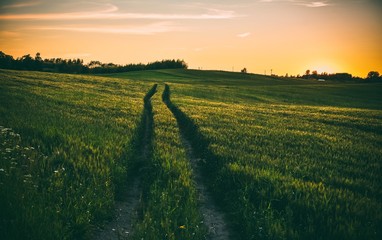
[{"x": 288, "y": 36}]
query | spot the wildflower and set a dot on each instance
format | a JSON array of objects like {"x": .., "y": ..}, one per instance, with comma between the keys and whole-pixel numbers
[{"x": 182, "y": 227}]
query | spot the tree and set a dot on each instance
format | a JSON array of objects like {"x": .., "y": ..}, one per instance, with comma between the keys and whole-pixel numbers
[
  {"x": 38, "y": 62},
  {"x": 315, "y": 74},
  {"x": 307, "y": 72},
  {"x": 6, "y": 61},
  {"x": 244, "y": 70},
  {"x": 373, "y": 75},
  {"x": 26, "y": 62},
  {"x": 38, "y": 57}
]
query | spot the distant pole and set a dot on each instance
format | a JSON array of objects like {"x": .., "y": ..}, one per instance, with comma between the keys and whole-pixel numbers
[
  {"x": 265, "y": 72},
  {"x": 271, "y": 71}
]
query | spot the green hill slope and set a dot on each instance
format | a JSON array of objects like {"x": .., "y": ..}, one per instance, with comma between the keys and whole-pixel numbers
[
  {"x": 285, "y": 158},
  {"x": 282, "y": 158}
]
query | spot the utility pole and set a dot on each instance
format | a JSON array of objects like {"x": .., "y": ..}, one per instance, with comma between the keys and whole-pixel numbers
[{"x": 271, "y": 72}]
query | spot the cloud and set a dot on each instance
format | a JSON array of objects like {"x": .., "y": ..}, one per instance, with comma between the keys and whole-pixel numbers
[
  {"x": 243, "y": 35},
  {"x": 314, "y": 4},
  {"x": 22, "y": 4},
  {"x": 110, "y": 12},
  {"x": 149, "y": 29},
  {"x": 9, "y": 34},
  {"x": 305, "y": 3}
]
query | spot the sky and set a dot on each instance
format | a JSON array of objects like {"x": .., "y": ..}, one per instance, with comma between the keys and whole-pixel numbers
[{"x": 264, "y": 36}]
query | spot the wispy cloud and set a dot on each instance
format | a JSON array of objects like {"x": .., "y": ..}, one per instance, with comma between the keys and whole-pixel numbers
[
  {"x": 111, "y": 12},
  {"x": 22, "y": 4},
  {"x": 9, "y": 34},
  {"x": 315, "y": 4},
  {"x": 149, "y": 29},
  {"x": 305, "y": 3},
  {"x": 244, "y": 35}
]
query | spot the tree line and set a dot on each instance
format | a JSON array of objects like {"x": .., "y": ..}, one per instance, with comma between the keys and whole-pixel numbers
[
  {"x": 371, "y": 76},
  {"x": 27, "y": 62}
]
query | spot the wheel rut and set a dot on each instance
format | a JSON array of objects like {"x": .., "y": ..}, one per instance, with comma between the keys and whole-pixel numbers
[
  {"x": 124, "y": 215},
  {"x": 214, "y": 219},
  {"x": 126, "y": 209}
]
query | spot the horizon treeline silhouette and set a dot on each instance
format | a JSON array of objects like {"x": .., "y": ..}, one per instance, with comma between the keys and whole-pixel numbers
[
  {"x": 27, "y": 62},
  {"x": 60, "y": 65},
  {"x": 371, "y": 76}
]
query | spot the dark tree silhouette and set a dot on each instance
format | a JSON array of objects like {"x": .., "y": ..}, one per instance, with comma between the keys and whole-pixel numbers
[
  {"x": 6, "y": 61},
  {"x": 27, "y": 62},
  {"x": 373, "y": 75}
]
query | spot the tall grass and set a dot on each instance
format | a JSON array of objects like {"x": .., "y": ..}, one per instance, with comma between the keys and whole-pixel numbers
[
  {"x": 81, "y": 130},
  {"x": 287, "y": 158},
  {"x": 293, "y": 171}
]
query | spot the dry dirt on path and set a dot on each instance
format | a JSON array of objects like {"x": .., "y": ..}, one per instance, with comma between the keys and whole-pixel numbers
[
  {"x": 213, "y": 218},
  {"x": 125, "y": 214}
]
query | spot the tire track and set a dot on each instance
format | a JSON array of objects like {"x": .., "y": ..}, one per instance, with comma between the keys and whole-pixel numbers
[
  {"x": 214, "y": 219},
  {"x": 126, "y": 209}
]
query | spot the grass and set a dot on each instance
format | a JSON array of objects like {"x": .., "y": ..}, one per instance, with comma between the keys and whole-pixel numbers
[
  {"x": 284, "y": 158},
  {"x": 289, "y": 159},
  {"x": 82, "y": 129},
  {"x": 292, "y": 177},
  {"x": 170, "y": 207}
]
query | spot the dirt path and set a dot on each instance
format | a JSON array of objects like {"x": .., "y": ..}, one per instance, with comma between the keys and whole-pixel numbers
[
  {"x": 125, "y": 215},
  {"x": 126, "y": 210},
  {"x": 214, "y": 219}
]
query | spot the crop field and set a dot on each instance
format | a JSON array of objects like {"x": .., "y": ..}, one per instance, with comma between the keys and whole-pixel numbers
[
  {"x": 281, "y": 158},
  {"x": 69, "y": 150},
  {"x": 286, "y": 158}
]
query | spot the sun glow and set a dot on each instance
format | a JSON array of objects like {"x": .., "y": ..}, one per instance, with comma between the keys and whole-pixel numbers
[
  {"x": 325, "y": 67},
  {"x": 286, "y": 36}
]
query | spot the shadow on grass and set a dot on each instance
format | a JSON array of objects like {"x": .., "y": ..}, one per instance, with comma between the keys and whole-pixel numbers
[{"x": 141, "y": 144}]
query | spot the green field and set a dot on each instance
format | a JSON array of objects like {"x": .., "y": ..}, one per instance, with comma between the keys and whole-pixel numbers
[{"x": 282, "y": 158}]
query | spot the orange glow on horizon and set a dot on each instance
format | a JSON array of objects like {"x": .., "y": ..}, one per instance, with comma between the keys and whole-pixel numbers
[{"x": 258, "y": 35}]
